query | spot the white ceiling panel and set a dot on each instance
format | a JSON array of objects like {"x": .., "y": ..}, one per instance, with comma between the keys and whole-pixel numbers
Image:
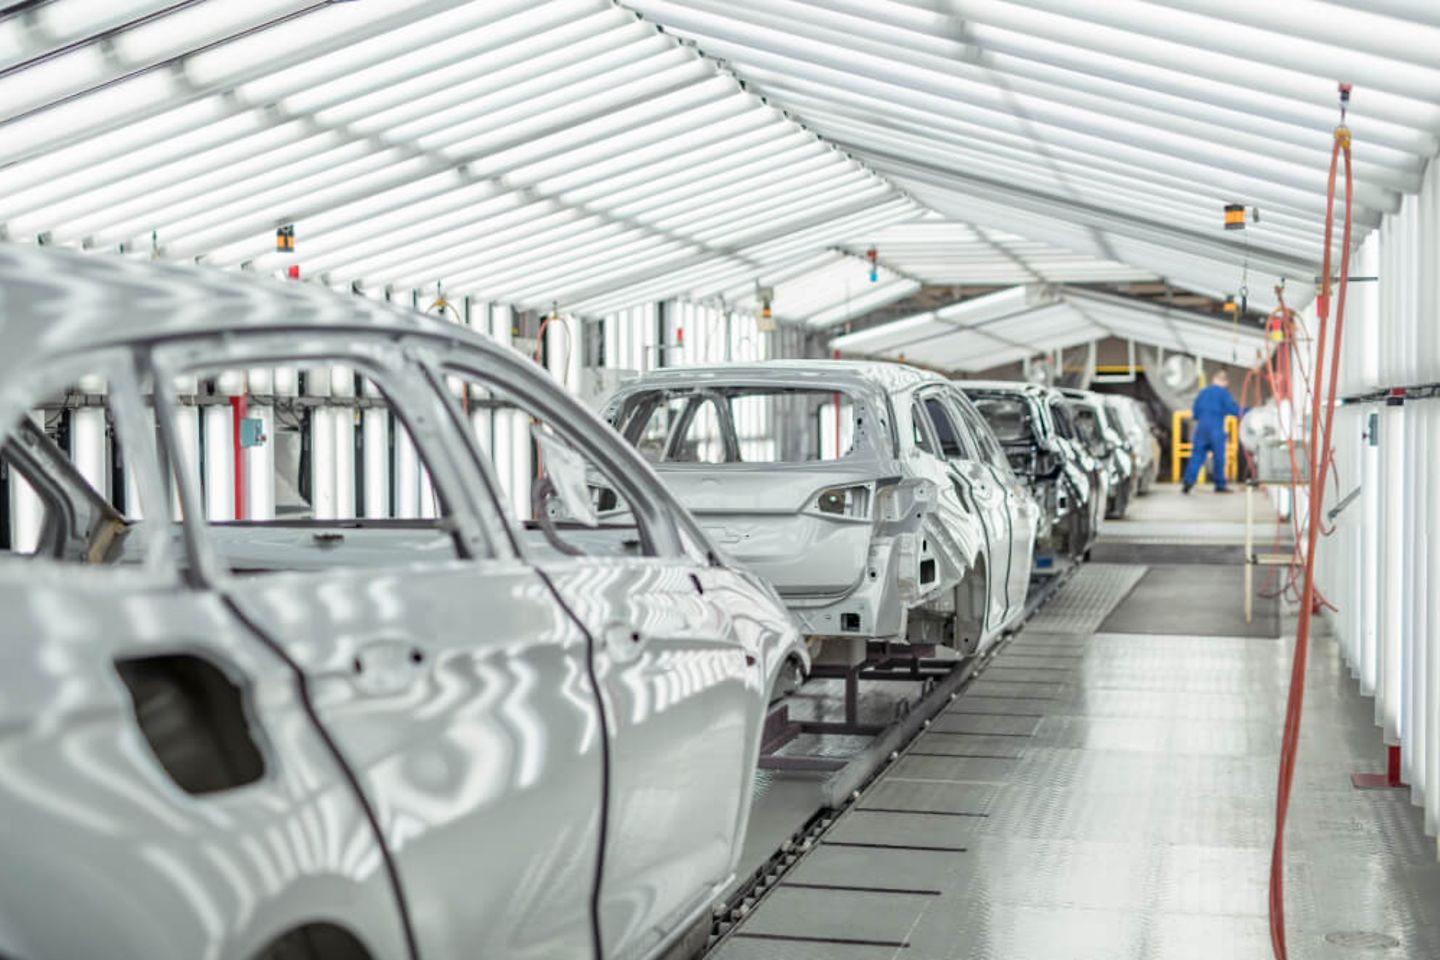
[
  {"x": 1031, "y": 320},
  {"x": 599, "y": 155}
]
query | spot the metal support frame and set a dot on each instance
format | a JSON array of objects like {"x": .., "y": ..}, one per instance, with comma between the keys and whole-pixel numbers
[
  {"x": 942, "y": 680},
  {"x": 845, "y": 785},
  {"x": 1253, "y": 559},
  {"x": 886, "y": 664},
  {"x": 1181, "y": 449}
]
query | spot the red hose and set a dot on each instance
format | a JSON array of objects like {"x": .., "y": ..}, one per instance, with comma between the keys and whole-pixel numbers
[
  {"x": 237, "y": 415},
  {"x": 1319, "y": 458}
]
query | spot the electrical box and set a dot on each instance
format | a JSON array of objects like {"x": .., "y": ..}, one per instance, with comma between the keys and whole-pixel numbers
[{"x": 252, "y": 432}]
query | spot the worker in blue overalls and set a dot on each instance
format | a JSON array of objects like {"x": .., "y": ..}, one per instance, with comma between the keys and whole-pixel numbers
[{"x": 1212, "y": 405}]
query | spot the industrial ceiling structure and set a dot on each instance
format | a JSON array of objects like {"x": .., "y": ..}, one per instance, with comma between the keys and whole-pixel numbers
[
  {"x": 1002, "y": 327},
  {"x": 1114, "y": 129},
  {"x": 596, "y": 156}
]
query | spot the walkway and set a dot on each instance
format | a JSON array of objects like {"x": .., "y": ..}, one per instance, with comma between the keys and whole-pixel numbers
[{"x": 1105, "y": 793}]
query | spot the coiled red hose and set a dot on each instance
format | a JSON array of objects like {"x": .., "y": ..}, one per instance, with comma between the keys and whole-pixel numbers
[{"x": 1319, "y": 459}]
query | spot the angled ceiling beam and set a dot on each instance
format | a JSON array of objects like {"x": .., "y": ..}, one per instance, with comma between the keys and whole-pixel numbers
[{"x": 1094, "y": 217}]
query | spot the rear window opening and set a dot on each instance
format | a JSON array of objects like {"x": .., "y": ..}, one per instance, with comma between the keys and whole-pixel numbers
[
  {"x": 1087, "y": 424},
  {"x": 565, "y": 500},
  {"x": 719, "y": 425}
]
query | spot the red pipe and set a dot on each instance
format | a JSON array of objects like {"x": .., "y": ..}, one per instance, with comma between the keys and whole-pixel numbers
[
  {"x": 1319, "y": 462},
  {"x": 237, "y": 413}
]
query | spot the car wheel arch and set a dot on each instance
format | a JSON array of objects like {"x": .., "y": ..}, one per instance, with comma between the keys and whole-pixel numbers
[{"x": 316, "y": 940}]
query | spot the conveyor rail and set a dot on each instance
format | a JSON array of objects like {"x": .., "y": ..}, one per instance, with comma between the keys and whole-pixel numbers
[{"x": 846, "y": 788}]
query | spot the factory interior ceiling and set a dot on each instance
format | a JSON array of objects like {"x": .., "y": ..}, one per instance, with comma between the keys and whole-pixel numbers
[{"x": 591, "y": 156}]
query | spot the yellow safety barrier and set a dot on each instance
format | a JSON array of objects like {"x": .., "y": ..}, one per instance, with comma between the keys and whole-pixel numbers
[{"x": 1180, "y": 448}]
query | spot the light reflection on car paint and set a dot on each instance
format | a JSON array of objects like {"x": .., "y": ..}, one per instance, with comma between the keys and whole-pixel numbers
[
  {"x": 482, "y": 764},
  {"x": 828, "y": 568}
]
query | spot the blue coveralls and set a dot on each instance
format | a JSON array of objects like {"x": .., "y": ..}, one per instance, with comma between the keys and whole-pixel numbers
[{"x": 1212, "y": 406}]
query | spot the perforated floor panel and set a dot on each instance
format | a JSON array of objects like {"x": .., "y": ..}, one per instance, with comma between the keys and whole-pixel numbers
[
  {"x": 1102, "y": 796},
  {"x": 1085, "y": 602}
]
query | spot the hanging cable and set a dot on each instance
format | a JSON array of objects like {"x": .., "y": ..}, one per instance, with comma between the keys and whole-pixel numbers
[
  {"x": 1281, "y": 327},
  {"x": 564, "y": 324},
  {"x": 1319, "y": 458}
]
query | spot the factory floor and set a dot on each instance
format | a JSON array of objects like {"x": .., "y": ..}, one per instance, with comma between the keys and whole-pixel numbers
[{"x": 1104, "y": 790}]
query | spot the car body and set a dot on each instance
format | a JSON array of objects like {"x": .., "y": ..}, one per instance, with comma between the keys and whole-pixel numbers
[
  {"x": 1025, "y": 419},
  {"x": 911, "y": 528},
  {"x": 347, "y": 738},
  {"x": 1062, "y": 413},
  {"x": 1098, "y": 431},
  {"x": 1132, "y": 418}
]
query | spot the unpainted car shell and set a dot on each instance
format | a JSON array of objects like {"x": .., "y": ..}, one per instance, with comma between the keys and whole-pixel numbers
[
  {"x": 1142, "y": 444},
  {"x": 1116, "y": 455},
  {"x": 830, "y": 569},
  {"x": 1062, "y": 414},
  {"x": 437, "y": 735},
  {"x": 1061, "y": 474}
]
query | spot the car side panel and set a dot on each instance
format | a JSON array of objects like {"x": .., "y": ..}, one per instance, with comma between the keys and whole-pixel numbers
[
  {"x": 459, "y": 693},
  {"x": 683, "y": 698},
  {"x": 1021, "y": 511},
  {"x": 988, "y": 498},
  {"x": 101, "y": 843}
]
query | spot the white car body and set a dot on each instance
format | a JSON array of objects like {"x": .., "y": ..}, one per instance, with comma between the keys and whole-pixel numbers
[
  {"x": 912, "y": 528},
  {"x": 348, "y": 739}
]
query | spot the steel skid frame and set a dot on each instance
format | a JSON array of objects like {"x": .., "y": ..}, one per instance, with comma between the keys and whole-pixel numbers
[{"x": 941, "y": 679}]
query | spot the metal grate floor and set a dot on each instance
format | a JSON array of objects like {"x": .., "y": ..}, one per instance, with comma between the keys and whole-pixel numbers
[
  {"x": 1109, "y": 796},
  {"x": 1085, "y": 602}
]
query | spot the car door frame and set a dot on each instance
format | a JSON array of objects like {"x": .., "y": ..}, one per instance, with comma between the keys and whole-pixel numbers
[
  {"x": 984, "y": 496},
  {"x": 669, "y": 537},
  {"x": 1022, "y": 511},
  {"x": 1012, "y": 601},
  {"x": 1057, "y": 408},
  {"x": 396, "y": 359}
]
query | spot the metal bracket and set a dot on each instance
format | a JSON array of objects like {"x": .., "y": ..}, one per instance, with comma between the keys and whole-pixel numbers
[{"x": 1345, "y": 501}]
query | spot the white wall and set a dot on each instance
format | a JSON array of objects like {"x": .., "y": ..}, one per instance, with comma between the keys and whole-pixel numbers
[{"x": 1382, "y": 565}]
